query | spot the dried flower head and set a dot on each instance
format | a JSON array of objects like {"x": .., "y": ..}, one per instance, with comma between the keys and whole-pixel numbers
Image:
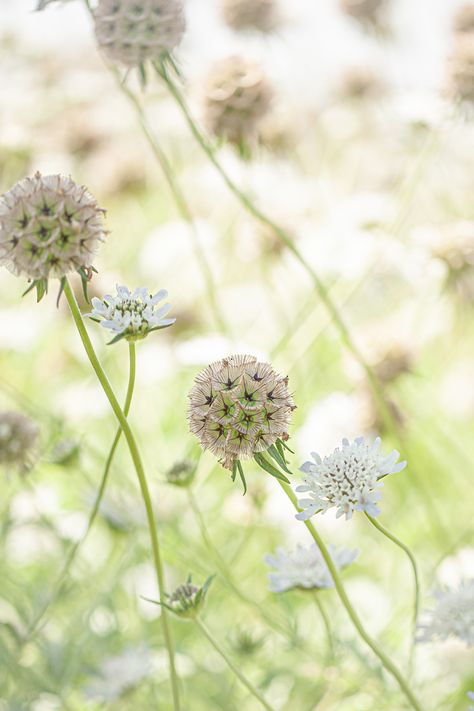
[
  {"x": 49, "y": 227},
  {"x": 188, "y": 599},
  {"x": 461, "y": 68},
  {"x": 455, "y": 249},
  {"x": 239, "y": 407},
  {"x": 365, "y": 11},
  {"x": 260, "y": 15},
  {"x": 361, "y": 82},
  {"x": 131, "y": 316},
  {"x": 453, "y": 615},
  {"x": 348, "y": 479},
  {"x": 305, "y": 567},
  {"x": 464, "y": 19},
  {"x": 18, "y": 436},
  {"x": 133, "y": 31},
  {"x": 237, "y": 95},
  {"x": 181, "y": 474},
  {"x": 395, "y": 361}
]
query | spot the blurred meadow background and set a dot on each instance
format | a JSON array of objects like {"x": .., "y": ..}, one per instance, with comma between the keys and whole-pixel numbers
[{"x": 365, "y": 156}]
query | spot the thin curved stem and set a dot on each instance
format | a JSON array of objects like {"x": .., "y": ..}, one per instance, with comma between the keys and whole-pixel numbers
[
  {"x": 326, "y": 623},
  {"x": 392, "y": 537},
  {"x": 248, "y": 684},
  {"x": 338, "y": 584},
  {"x": 137, "y": 461},
  {"x": 97, "y": 502}
]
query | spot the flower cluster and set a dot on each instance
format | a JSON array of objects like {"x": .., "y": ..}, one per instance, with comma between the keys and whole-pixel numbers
[
  {"x": 18, "y": 436},
  {"x": 237, "y": 96},
  {"x": 348, "y": 479},
  {"x": 453, "y": 615},
  {"x": 49, "y": 227},
  {"x": 132, "y": 32},
  {"x": 239, "y": 407},
  {"x": 131, "y": 316},
  {"x": 260, "y": 15},
  {"x": 305, "y": 567}
]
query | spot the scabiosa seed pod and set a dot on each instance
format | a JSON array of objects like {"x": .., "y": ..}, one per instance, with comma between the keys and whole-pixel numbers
[
  {"x": 181, "y": 474},
  {"x": 133, "y": 31},
  {"x": 464, "y": 19},
  {"x": 348, "y": 479},
  {"x": 305, "y": 568},
  {"x": 453, "y": 615},
  {"x": 18, "y": 437},
  {"x": 455, "y": 250},
  {"x": 241, "y": 15},
  {"x": 239, "y": 407},
  {"x": 367, "y": 12},
  {"x": 461, "y": 68},
  {"x": 49, "y": 227},
  {"x": 237, "y": 95}
]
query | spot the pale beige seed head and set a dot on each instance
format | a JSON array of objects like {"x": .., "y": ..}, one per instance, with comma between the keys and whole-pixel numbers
[
  {"x": 239, "y": 407},
  {"x": 49, "y": 227},
  {"x": 455, "y": 250},
  {"x": 365, "y": 11},
  {"x": 464, "y": 19},
  {"x": 237, "y": 95},
  {"x": 461, "y": 68},
  {"x": 133, "y": 31},
  {"x": 259, "y": 15},
  {"x": 18, "y": 437}
]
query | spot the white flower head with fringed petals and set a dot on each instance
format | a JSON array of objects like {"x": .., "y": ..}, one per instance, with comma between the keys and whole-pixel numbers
[
  {"x": 348, "y": 479},
  {"x": 305, "y": 567},
  {"x": 131, "y": 315}
]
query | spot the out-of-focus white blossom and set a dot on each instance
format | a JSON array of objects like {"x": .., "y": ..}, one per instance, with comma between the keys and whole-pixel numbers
[
  {"x": 120, "y": 674},
  {"x": 305, "y": 567},
  {"x": 348, "y": 479},
  {"x": 453, "y": 615}
]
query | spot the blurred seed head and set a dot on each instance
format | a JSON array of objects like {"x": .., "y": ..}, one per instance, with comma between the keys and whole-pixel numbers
[
  {"x": 461, "y": 68},
  {"x": 247, "y": 642},
  {"x": 367, "y": 12},
  {"x": 133, "y": 31},
  {"x": 361, "y": 83},
  {"x": 49, "y": 227},
  {"x": 238, "y": 407},
  {"x": 66, "y": 452},
  {"x": 237, "y": 95},
  {"x": 181, "y": 474},
  {"x": 455, "y": 249},
  {"x": 453, "y": 615},
  {"x": 259, "y": 15},
  {"x": 464, "y": 19},
  {"x": 397, "y": 360},
  {"x": 18, "y": 437}
]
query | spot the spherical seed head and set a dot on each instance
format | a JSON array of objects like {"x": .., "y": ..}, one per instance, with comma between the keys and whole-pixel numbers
[
  {"x": 453, "y": 615},
  {"x": 238, "y": 407},
  {"x": 348, "y": 479},
  {"x": 455, "y": 250},
  {"x": 181, "y": 474},
  {"x": 260, "y": 15},
  {"x": 363, "y": 10},
  {"x": 464, "y": 19},
  {"x": 237, "y": 95},
  {"x": 133, "y": 31},
  {"x": 18, "y": 436},
  {"x": 462, "y": 68},
  {"x": 49, "y": 227}
]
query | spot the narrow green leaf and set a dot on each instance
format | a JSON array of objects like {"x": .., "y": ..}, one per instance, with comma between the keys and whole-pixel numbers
[{"x": 268, "y": 467}]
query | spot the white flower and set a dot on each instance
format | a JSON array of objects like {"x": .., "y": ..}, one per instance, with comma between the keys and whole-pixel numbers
[
  {"x": 131, "y": 316},
  {"x": 453, "y": 616},
  {"x": 305, "y": 567},
  {"x": 471, "y": 696},
  {"x": 349, "y": 479},
  {"x": 121, "y": 673}
]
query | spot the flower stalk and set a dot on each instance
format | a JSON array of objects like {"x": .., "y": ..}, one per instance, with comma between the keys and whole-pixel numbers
[{"x": 137, "y": 461}]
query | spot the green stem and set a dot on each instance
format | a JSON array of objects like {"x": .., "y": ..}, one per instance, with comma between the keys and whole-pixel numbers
[
  {"x": 281, "y": 234},
  {"x": 391, "y": 536},
  {"x": 327, "y": 625},
  {"x": 137, "y": 461},
  {"x": 384, "y": 658},
  {"x": 95, "y": 509},
  {"x": 231, "y": 665}
]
